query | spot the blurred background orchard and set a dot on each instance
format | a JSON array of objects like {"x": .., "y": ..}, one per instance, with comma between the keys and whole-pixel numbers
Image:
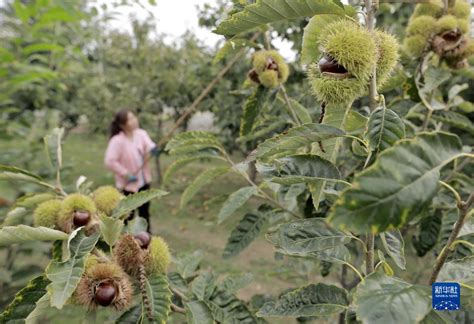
[{"x": 75, "y": 63}]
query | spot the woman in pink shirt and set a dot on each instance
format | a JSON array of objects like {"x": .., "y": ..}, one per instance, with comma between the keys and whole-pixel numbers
[{"x": 127, "y": 157}]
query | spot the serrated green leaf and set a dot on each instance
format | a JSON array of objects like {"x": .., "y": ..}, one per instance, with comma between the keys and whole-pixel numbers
[
  {"x": 233, "y": 283},
  {"x": 266, "y": 11},
  {"x": 436, "y": 317},
  {"x": 42, "y": 306},
  {"x": 131, "y": 316},
  {"x": 303, "y": 237},
  {"x": 227, "y": 308},
  {"x": 306, "y": 168},
  {"x": 428, "y": 233},
  {"x": 356, "y": 123},
  {"x": 461, "y": 271},
  {"x": 197, "y": 312},
  {"x": 301, "y": 112},
  {"x": 395, "y": 247},
  {"x": 15, "y": 216},
  {"x": 455, "y": 119},
  {"x": 383, "y": 299},
  {"x": 387, "y": 196},
  {"x": 111, "y": 228},
  {"x": 183, "y": 142},
  {"x": 262, "y": 131},
  {"x": 52, "y": 143},
  {"x": 136, "y": 225},
  {"x": 187, "y": 265},
  {"x": 134, "y": 201},
  {"x": 336, "y": 116},
  {"x": 65, "y": 275},
  {"x": 180, "y": 163},
  {"x": 236, "y": 200},
  {"x": 384, "y": 129},
  {"x": 296, "y": 138},
  {"x": 200, "y": 181},
  {"x": 159, "y": 297},
  {"x": 246, "y": 231},
  {"x": 339, "y": 254},
  {"x": 203, "y": 286},
  {"x": 313, "y": 300},
  {"x": 22, "y": 233},
  {"x": 13, "y": 173},
  {"x": 251, "y": 110},
  {"x": 25, "y": 301}
]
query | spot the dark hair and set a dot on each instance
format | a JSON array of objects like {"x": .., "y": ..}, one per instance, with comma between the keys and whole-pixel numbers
[{"x": 120, "y": 119}]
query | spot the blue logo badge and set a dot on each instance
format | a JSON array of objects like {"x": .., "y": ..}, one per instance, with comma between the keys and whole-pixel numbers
[{"x": 446, "y": 296}]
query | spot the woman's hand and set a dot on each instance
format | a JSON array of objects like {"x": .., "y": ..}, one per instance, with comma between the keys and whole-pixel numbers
[
  {"x": 155, "y": 151},
  {"x": 131, "y": 178}
]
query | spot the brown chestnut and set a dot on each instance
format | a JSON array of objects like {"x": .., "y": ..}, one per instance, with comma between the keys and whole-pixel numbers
[
  {"x": 271, "y": 64},
  {"x": 452, "y": 36},
  {"x": 253, "y": 76},
  {"x": 330, "y": 65},
  {"x": 81, "y": 218},
  {"x": 143, "y": 239},
  {"x": 105, "y": 293}
]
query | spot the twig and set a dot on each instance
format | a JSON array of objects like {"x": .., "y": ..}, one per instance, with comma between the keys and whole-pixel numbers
[
  {"x": 458, "y": 168},
  {"x": 463, "y": 208},
  {"x": 371, "y": 7},
  {"x": 178, "y": 309},
  {"x": 369, "y": 254},
  {"x": 179, "y": 294},
  {"x": 289, "y": 105},
  {"x": 146, "y": 301}
]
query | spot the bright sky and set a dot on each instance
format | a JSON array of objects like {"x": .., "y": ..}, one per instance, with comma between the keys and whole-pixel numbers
[{"x": 175, "y": 17}]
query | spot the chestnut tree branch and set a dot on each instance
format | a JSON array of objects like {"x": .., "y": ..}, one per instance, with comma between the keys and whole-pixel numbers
[{"x": 463, "y": 208}]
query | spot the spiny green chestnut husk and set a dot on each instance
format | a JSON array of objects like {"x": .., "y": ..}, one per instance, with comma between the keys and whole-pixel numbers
[
  {"x": 269, "y": 69},
  {"x": 342, "y": 74},
  {"x": 351, "y": 46},
  {"x": 153, "y": 253},
  {"x": 77, "y": 210},
  {"x": 46, "y": 214},
  {"x": 388, "y": 48},
  {"x": 445, "y": 34},
  {"x": 106, "y": 198},
  {"x": 128, "y": 254},
  {"x": 104, "y": 284},
  {"x": 158, "y": 257}
]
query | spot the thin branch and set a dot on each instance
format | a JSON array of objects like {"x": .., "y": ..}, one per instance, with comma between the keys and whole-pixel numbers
[
  {"x": 463, "y": 208},
  {"x": 457, "y": 168},
  {"x": 179, "y": 294},
  {"x": 369, "y": 254},
  {"x": 289, "y": 105},
  {"x": 371, "y": 7},
  {"x": 177, "y": 309}
]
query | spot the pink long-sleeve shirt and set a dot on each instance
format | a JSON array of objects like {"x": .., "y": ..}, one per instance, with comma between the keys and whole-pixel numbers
[{"x": 126, "y": 155}]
